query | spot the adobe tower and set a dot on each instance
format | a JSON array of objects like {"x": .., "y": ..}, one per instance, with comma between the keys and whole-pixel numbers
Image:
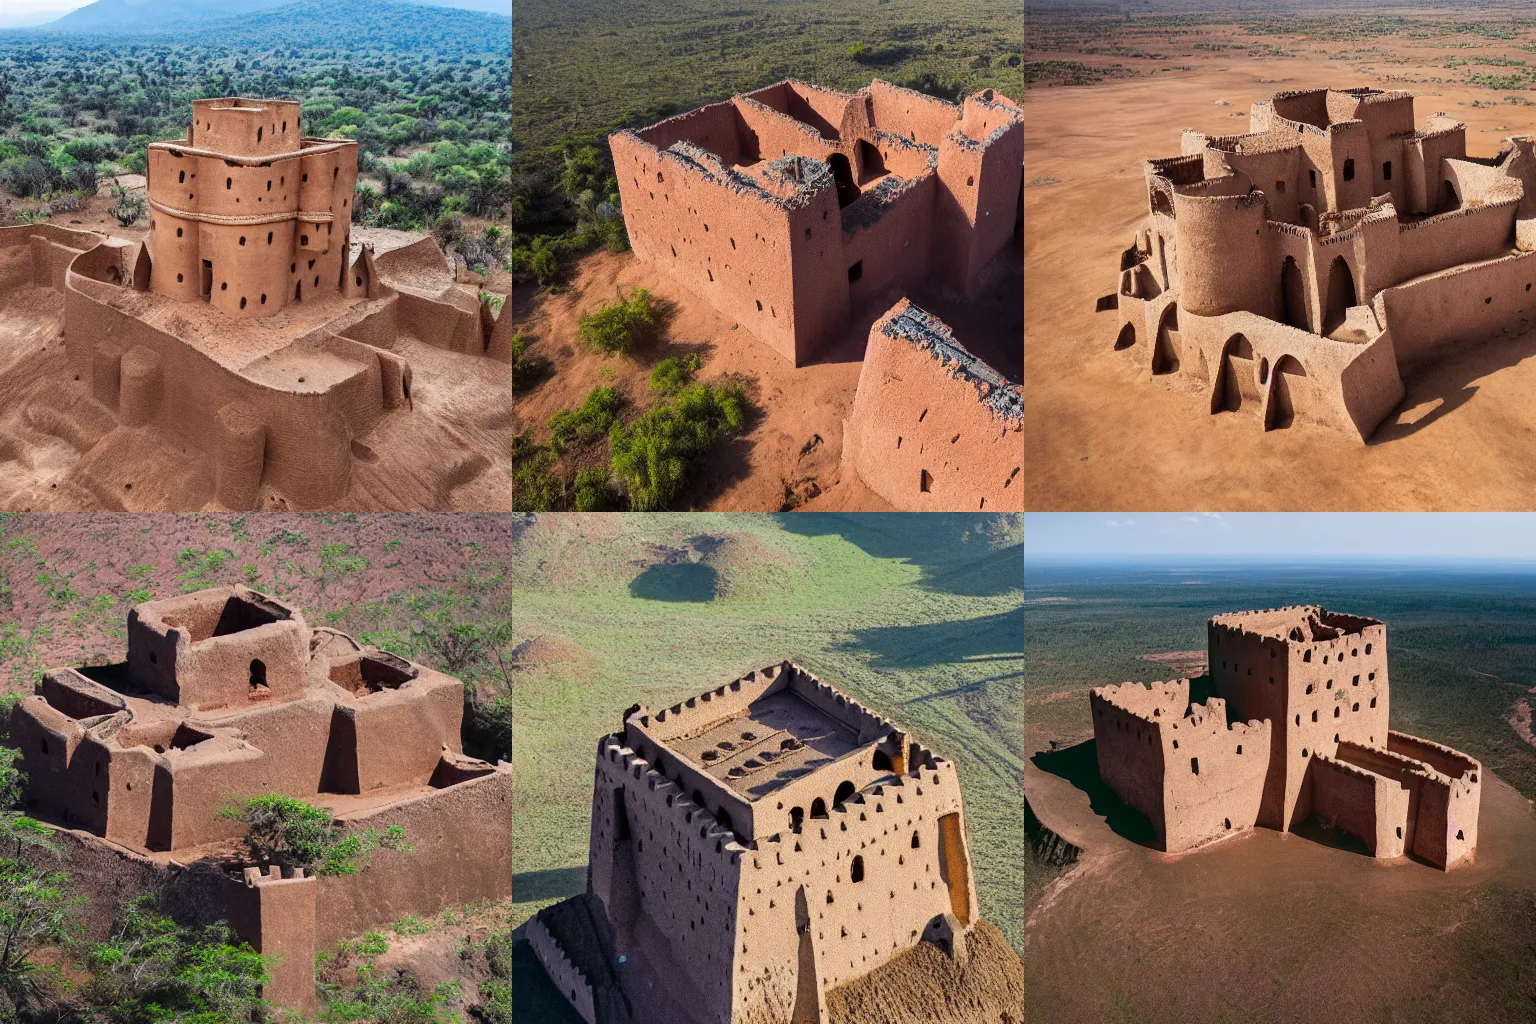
[
  {"x": 753, "y": 848},
  {"x": 249, "y": 213}
]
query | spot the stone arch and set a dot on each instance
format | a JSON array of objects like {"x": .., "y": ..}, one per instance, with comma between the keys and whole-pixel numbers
[
  {"x": 1234, "y": 376},
  {"x": 1166, "y": 350},
  {"x": 1126, "y": 338},
  {"x": 842, "y": 174},
  {"x": 844, "y": 791},
  {"x": 1293, "y": 295},
  {"x": 1341, "y": 294},
  {"x": 1280, "y": 410}
]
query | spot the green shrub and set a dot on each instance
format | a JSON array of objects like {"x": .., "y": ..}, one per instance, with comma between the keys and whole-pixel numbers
[
  {"x": 534, "y": 487},
  {"x": 622, "y": 326},
  {"x": 672, "y": 374},
  {"x": 652, "y": 455},
  {"x": 150, "y": 969},
  {"x": 282, "y": 830},
  {"x": 596, "y": 416},
  {"x": 527, "y": 370},
  {"x": 594, "y": 493}
]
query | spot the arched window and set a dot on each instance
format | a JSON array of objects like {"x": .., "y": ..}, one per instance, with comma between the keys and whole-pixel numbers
[
  {"x": 796, "y": 816},
  {"x": 916, "y": 842},
  {"x": 856, "y": 873},
  {"x": 844, "y": 791},
  {"x": 882, "y": 762},
  {"x": 258, "y": 675},
  {"x": 818, "y": 808}
]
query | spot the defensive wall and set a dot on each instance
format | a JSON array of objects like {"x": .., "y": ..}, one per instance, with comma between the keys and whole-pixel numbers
[
  {"x": 1312, "y": 686},
  {"x": 785, "y": 208},
  {"x": 1300, "y": 270},
  {"x": 751, "y": 913},
  {"x": 271, "y": 404},
  {"x": 227, "y": 694},
  {"x": 933, "y": 428}
]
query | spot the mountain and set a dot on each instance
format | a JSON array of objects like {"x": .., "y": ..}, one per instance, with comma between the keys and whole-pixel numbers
[
  {"x": 158, "y": 16},
  {"x": 111, "y": 15}
]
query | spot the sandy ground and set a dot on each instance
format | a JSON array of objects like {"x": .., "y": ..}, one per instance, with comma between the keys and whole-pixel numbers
[
  {"x": 1271, "y": 926},
  {"x": 790, "y": 456},
  {"x": 61, "y": 452},
  {"x": 1098, "y": 437}
]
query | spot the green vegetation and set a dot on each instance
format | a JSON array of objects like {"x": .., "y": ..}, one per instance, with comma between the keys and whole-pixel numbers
[
  {"x": 652, "y": 455},
  {"x": 673, "y": 373},
  {"x": 621, "y": 327},
  {"x": 587, "y": 68},
  {"x": 527, "y": 369},
  {"x": 598, "y": 413},
  {"x": 425, "y": 93},
  {"x": 282, "y": 830},
  {"x": 917, "y": 617}
]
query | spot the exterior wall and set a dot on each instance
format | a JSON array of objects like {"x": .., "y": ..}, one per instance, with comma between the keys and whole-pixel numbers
[
  {"x": 1440, "y": 314},
  {"x": 930, "y": 429},
  {"x": 1214, "y": 780},
  {"x": 570, "y": 981},
  {"x": 1372, "y": 807},
  {"x": 889, "y": 250},
  {"x": 1449, "y": 800},
  {"x": 1216, "y": 233},
  {"x": 402, "y": 733},
  {"x": 276, "y": 915},
  {"x": 463, "y": 854},
  {"x": 1129, "y": 743}
]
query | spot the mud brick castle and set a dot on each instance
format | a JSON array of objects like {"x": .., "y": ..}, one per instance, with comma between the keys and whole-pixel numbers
[
  {"x": 1307, "y": 692},
  {"x": 1299, "y": 271},
  {"x": 753, "y": 848},
  {"x": 736, "y": 200},
  {"x": 227, "y": 694},
  {"x": 253, "y": 329}
]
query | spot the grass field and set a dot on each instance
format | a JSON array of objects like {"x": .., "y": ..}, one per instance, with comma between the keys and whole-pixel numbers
[
  {"x": 584, "y": 66},
  {"x": 1460, "y": 642},
  {"x": 916, "y": 616}
]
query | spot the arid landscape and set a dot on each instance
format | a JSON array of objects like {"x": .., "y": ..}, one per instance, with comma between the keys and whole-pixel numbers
[{"x": 1107, "y": 92}]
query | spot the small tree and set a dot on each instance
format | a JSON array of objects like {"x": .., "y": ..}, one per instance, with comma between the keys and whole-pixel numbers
[
  {"x": 294, "y": 834},
  {"x": 126, "y": 206},
  {"x": 151, "y": 969}
]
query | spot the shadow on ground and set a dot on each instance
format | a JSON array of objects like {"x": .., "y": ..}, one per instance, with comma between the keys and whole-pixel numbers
[
  {"x": 987, "y": 638},
  {"x": 683, "y": 581},
  {"x": 1079, "y": 765},
  {"x": 954, "y": 549},
  {"x": 554, "y": 884},
  {"x": 534, "y": 996}
]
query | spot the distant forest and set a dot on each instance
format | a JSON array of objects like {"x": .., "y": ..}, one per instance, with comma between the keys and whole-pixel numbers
[{"x": 425, "y": 92}]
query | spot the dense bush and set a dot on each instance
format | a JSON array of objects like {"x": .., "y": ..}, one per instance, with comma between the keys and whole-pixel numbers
[
  {"x": 652, "y": 455},
  {"x": 535, "y": 487},
  {"x": 622, "y": 326},
  {"x": 598, "y": 412},
  {"x": 672, "y": 374},
  {"x": 282, "y": 830}
]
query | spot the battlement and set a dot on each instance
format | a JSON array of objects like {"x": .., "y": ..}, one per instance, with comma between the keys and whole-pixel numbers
[
  {"x": 750, "y": 894},
  {"x": 1300, "y": 625}
]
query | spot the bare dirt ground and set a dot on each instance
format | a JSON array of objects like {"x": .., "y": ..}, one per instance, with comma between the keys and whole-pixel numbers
[
  {"x": 1271, "y": 926},
  {"x": 790, "y": 455},
  {"x": 60, "y": 452},
  {"x": 1100, "y": 438}
]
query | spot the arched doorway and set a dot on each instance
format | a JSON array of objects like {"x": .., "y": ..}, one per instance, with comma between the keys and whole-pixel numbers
[
  {"x": 1165, "y": 353},
  {"x": 1234, "y": 377},
  {"x": 871, "y": 165},
  {"x": 1280, "y": 412},
  {"x": 842, "y": 173},
  {"x": 1293, "y": 295},
  {"x": 1341, "y": 294},
  {"x": 1126, "y": 337},
  {"x": 1449, "y": 200}
]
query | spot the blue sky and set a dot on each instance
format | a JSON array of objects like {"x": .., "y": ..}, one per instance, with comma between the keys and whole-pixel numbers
[{"x": 1299, "y": 536}]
